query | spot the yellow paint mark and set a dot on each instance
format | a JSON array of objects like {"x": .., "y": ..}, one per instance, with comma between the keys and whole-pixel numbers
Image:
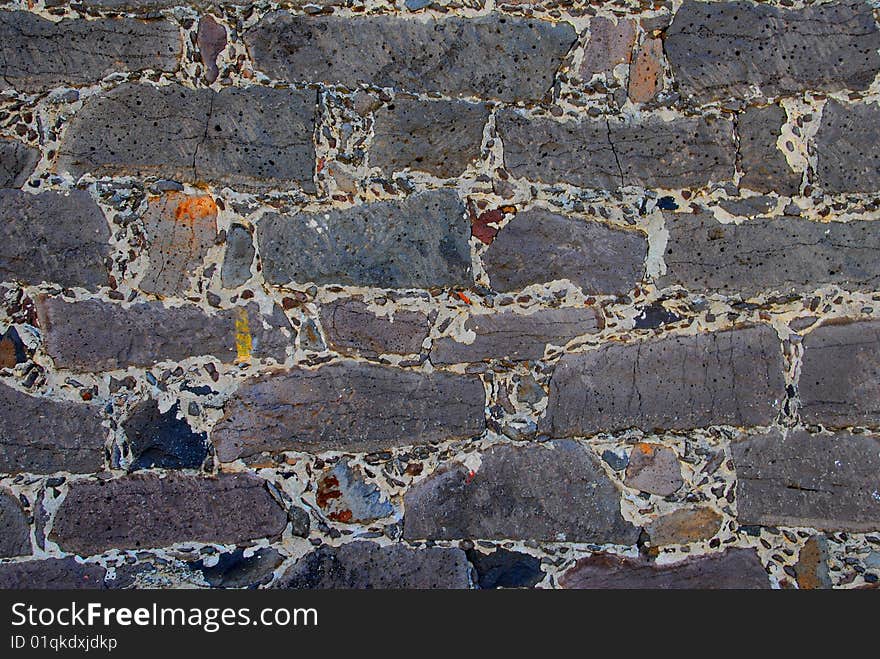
[{"x": 243, "y": 340}]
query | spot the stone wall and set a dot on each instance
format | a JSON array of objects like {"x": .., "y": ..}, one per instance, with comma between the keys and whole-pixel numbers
[{"x": 465, "y": 293}]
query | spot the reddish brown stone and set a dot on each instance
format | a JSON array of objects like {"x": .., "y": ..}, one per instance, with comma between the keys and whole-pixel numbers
[
  {"x": 735, "y": 568},
  {"x": 481, "y": 228},
  {"x": 684, "y": 526},
  {"x": 211, "y": 40},
  {"x": 646, "y": 72}
]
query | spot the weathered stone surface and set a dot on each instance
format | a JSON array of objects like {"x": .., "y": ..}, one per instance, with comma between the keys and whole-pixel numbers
[
  {"x": 654, "y": 468},
  {"x": 42, "y": 436},
  {"x": 769, "y": 255},
  {"x": 505, "y": 569},
  {"x": 52, "y": 574},
  {"x": 53, "y": 237},
  {"x": 515, "y": 336},
  {"x": 211, "y": 40},
  {"x": 438, "y": 137},
  {"x": 162, "y": 440},
  {"x": 680, "y": 382},
  {"x": 15, "y": 533},
  {"x": 847, "y": 152},
  {"x": 684, "y": 526},
  {"x": 349, "y": 406},
  {"x": 722, "y": 49},
  {"x": 368, "y": 565},
  {"x": 735, "y": 568},
  {"x": 12, "y": 349},
  {"x": 144, "y": 510},
  {"x": 537, "y": 246},
  {"x": 248, "y": 138},
  {"x": 235, "y": 570},
  {"x": 504, "y": 58},
  {"x": 236, "y": 269},
  {"x": 417, "y": 242},
  {"x": 811, "y": 570},
  {"x": 353, "y": 329},
  {"x": 608, "y": 45},
  {"x": 646, "y": 71},
  {"x": 764, "y": 166},
  {"x": 38, "y": 54},
  {"x": 827, "y": 483},
  {"x": 611, "y": 153},
  {"x": 840, "y": 375},
  {"x": 556, "y": 491},
  {"x": 98, "y": 336},
  {"x": 345, "y": 496},
  {"x": 180, "y": 229},
  {"x": 17, "y": 162}
]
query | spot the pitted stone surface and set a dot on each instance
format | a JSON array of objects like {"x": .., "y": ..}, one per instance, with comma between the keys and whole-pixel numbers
[
  {"x": 610, "y": 43},
  {"x": 553, "y": 492},
  {"x": 94, "y": 335},
  {"x": 348, "y": 406},
  {"x": 733, "y": 569},
  {"x": 15, "y": 533},
  {"x": 53, "y": 237},
  {"x": 249, "y": 138},
  {"x": 840, "y": 375},
  {"x": 239, "y": 256},
  {"x": 419, "y": 241},
  {"x": 17, "y": 162},
  {"x": 52, "y": 574},
  {"x": 680, "y": 382},
  {"x": 180, "y": 229},
  {"x": 798, "y": 479},
  {"x": 368, "y": 565},
  {"x": 143, "y": 511},
  {"x": 769, "y": 255},
  {"x": 719, "y": 50},
  {"x": 38, "y": 54},
  {"x": 847, "y": 152},
  {"x": 438, "y": 137},
  {"x": 508, "y": 59},
  {"x": 538, "y": 246},
  {"x": 353, "y": 329},
  {"x": 42, "y": 436},
  {"x": 613, "y": 153},
  {"x": 515, "y": 336},
  {"x": 764, "y": 165}
]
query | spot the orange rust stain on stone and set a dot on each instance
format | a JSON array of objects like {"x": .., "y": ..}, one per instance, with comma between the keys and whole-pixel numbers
[
  {"x": 646, "y": 449},
  {"x": 192, "y": 210}
]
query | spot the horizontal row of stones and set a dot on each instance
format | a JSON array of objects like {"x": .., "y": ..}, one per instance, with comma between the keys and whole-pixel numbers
[
  {"x": 261, "y": 138},
  {"x": 557, "y": 491},
  {"x": 716, "y": 50},
  {"x": 728, "y": 378},
  {"x": 424, "y": 241}
]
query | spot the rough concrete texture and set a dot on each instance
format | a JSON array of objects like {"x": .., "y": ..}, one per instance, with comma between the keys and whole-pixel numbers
[
  {"x": 416, "y": 242},
  {"x": 537, "y": 247},
  {"x": 726, "y": 378},
  {"x": 518, "y": 294},
  {"x": 517, "y": 59},
  {"x": 553, "y": 492},
  {"x": 798, "y": 479},
  {"x": 774, "y": 255},
  {"x": 349, "y": 405}
]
